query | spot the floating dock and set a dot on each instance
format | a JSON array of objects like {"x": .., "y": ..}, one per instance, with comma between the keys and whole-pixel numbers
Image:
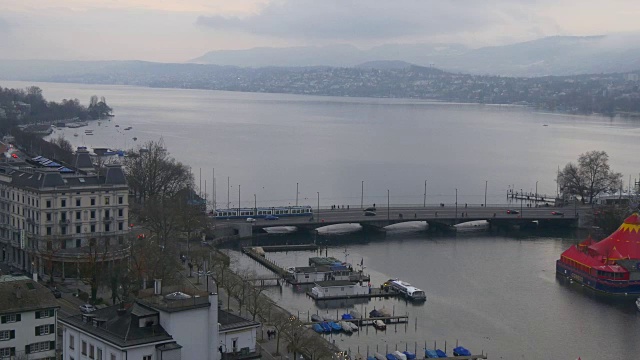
[{"x": 281, "y": 248}]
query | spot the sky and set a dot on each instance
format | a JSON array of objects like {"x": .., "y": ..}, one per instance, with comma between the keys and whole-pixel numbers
[{"x": 179, "y": 30}]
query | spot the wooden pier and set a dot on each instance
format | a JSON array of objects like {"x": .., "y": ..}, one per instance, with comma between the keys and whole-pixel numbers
[
  {"x": 281, "y": 248},
  {"x": 375, "y": 293},
  {"x": 265, "y": 262}
]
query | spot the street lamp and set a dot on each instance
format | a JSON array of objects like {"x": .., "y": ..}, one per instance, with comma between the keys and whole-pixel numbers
[
  {"x": 424, "y": 202},
  {"x": 297, "y": 192},
  {"x": 521, "y": 201},
  {"x": 536, "y": 191},
  {"x": 318, "y": 206},
  {"x": 362, "y": 196},
  {"x": 456, "y": 203},
  {"x": 486, "y": 182},
  {"x": 388, "y": 206}
]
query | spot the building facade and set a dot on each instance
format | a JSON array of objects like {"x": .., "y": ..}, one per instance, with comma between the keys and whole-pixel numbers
[
  {"x": 28, "y": 314},
  {"x": 55, "y": 218}
]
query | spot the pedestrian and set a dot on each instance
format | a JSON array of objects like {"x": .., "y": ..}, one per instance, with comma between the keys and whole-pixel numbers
[
  {"x": 347, "y": 207},
  {"x": 415, "y": 215}
]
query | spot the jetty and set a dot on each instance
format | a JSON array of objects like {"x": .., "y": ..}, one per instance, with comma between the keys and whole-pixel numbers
[
  {"x": 259, "y": 257},
  {"x": 374, "y": 293},
  {"x": 283, "y": 248}
]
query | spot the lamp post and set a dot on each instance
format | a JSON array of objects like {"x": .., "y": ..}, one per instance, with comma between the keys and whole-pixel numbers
[
  {"x": 297, "y": 194},
  {"x": 456, "y": 204},
  {"x": 228, "y": 198},
  {"x": 424, "y": 202},
  {"x": 536, "y": 191},
  {"x": 486, "y": 182},
  {"x": 362, "y": 196},
  {"x": 521, "y": 201},
  {"x": 238, "y": 199},
  {"x": 255, "y": 205},
  {"x": 318, "y": 206},
  {"x": 388, "y": 206}
]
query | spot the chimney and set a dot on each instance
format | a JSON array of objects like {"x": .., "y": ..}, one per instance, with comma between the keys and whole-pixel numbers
[{"x": 157, "y": 287}]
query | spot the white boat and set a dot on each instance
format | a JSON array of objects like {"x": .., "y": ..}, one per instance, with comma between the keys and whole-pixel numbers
[
  {"x": 638, "y": 303},
  {"x": 339, "y": 229},
  {"x": 409, "y": 291},
  {"x": 353, "y": 326},
  {"x": 345, "y": 327},
  {"x": 379, "y": 324},
  {"x": 280, "y": 229},
  {"x": 407, "y": 226},
  {"x": 477, "y": 225},
  {"x": 398, "y": 355}
]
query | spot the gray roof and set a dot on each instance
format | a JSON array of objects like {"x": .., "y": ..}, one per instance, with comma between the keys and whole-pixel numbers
[
  {"x": 42, "y": 178},
  {"x": 123, "y": 329},
  {"x": 313, "y": 269},
  {"x": 20, "y": 294},
  {"x": 115, "y": 175},
  {"x": 82, "y": 160},
  {"x": 229, "y": 321}
]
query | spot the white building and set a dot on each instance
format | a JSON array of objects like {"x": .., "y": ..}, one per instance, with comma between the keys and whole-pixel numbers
[
  {"x": 51, "y": 214},
  {"x": 28, "y": 313},
  {"x": 172, "y": 325},
  {"x": 338, "y": 288}
]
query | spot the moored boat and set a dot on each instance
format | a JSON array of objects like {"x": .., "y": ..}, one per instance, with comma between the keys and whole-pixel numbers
[
  {"x": 461, "y": 351},
  {"x": 379, "y": 324},
  {"x": 379, "y": 356},
  {"x": 316, "y": 318},
  {"x": 390, "y": 357},
  {"x": 398, "y": 355},
  {"x": 431, "y": 354},
  {"x": 335, "y": 326},
  {"x": 407, "y": 290},
  {"x": 638, "y": 303},
  {"x": 441, "y": 353},
  {"x": 410, "y": 355},
  {"x": 353, "y": 326},
  {"x": 345, "y": 327},
  {"x": 318, "y": 328},
  {"x": 325, "y": 327},
  {"x": 355, "y": 314}
]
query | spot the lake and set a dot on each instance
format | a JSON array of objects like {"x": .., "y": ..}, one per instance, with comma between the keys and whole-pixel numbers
[{"x": 496, "y": 293}]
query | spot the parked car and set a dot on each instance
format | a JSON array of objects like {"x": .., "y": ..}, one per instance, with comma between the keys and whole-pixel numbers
[
  {"x": 251, "y": 220},
  {"x": 369, "y": 213},
  {"x": 511, "y": 211},
  {"x": 271, "y": 217},
  {"x": 56, "y": 293},
  {"x": 557, "y": 213},
  {"x": 87, "y": 308}
]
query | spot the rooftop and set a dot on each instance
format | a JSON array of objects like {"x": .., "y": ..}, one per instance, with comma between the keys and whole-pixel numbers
[
  {"x": 229, "y": 321},
  {"x": 175, "y": 298},
  {"x": 335, "y": 283},
  {"x": 121, "y": 328},
  {"x": 20, "y": 294}
]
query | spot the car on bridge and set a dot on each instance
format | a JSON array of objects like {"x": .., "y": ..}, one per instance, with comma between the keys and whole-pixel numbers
[
  {"x": 369, "y": 213},
  {"x": 558, "y": 213},
  {"x": 371, "y": 208},
  {"x": 511, "y": 211},
  {"x": 251, "y": 220},
  {"x": 271, "y": 217}
]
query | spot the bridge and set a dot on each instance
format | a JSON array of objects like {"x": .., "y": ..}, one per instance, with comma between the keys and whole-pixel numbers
[{"x": 438, "y": 217}]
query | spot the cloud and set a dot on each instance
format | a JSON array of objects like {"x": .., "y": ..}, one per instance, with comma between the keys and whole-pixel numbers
[{"x": 365, "y": 19}]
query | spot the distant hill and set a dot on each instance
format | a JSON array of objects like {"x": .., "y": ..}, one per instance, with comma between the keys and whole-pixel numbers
[
  {"x": 384, "y": 64},
  {"x": 557, "y": 55}
]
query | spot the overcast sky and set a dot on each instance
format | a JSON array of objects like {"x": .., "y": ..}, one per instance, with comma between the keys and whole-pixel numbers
[{"x": 178, "y": 30}]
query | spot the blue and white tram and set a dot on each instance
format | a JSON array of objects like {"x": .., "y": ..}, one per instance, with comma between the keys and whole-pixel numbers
[{"x": 261, "y": 212}]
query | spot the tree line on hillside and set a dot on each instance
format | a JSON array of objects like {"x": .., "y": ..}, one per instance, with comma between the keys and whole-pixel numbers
[{"x": 29, "y": 106}]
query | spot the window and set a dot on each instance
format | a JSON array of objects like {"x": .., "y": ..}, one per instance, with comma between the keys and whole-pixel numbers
[
  {"x": 120, "y": 199},
  {"x": 7, "y": 352},
  {"x": 91, "y": 351},
  {"x": 40, "y": 346},
  {"x": 7, "y": 335},
  {"x": 72, "y": 342},
  {"x": 49, "y": 230},
  {"x": 11, "y": 318},
  {"x": 44, "y": 314},
  {"x": 78, "y": 229},
  {"x": 93, "y": 214},
  {"x": 63, "y": 203},
  {"x": 78, "y": 243},
  {"x": 93, "y": 201},
  {"x": 78, "y": 215},
  {"x": 113, "y": 357},
  {"x": 84, "y": 347},
  {"x": 107, "y": 227},
  {"x": 63, "y": 230},
  {"x": 45, "y": 329},
  {"x": 120, "y": 212},
  {"x": 120, "y": 226},
  {"x": 107, "y": 214},
  {"x": 78, "y": 202},
  {"x": 48, "y": 204},
  {"x": 99, "y": 354},
  {"x": 146, "y": 357},
  {"x": 106, "y": 200},
  {"x": 48, "y": 216},
  {"x": 93, "y": 228}
]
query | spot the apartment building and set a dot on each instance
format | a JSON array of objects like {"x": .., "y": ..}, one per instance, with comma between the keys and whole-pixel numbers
[
  {"x": 28, "y": 314},
  {"x": 54, "y": 217}
]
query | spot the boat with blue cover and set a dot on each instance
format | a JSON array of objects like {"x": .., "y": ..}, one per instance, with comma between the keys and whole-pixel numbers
[
  {"x": 460, "y": 351},
  {"x": 318, "y": 328},
  {"x": 347, "y": 317},
  {"x": 335, "y": 326},
  {"x": 316, "y": 318},
  {"x": 326, "y": 327},
  {"x": 409, "y": 355},
  {"x": 441, "y": 353},
  {"x": 431, "y": 354},
  {"x": 391, "y": 357},
  {"x": 371, "y": 358}
]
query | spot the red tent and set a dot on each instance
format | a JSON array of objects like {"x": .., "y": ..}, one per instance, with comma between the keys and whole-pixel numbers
[
  {"x": 578, "y": 256},
  {"x": 624, "y": 243}
]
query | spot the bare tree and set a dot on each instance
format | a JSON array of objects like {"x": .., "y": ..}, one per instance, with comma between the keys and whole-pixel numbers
[{"x": 591, "y": 177}]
